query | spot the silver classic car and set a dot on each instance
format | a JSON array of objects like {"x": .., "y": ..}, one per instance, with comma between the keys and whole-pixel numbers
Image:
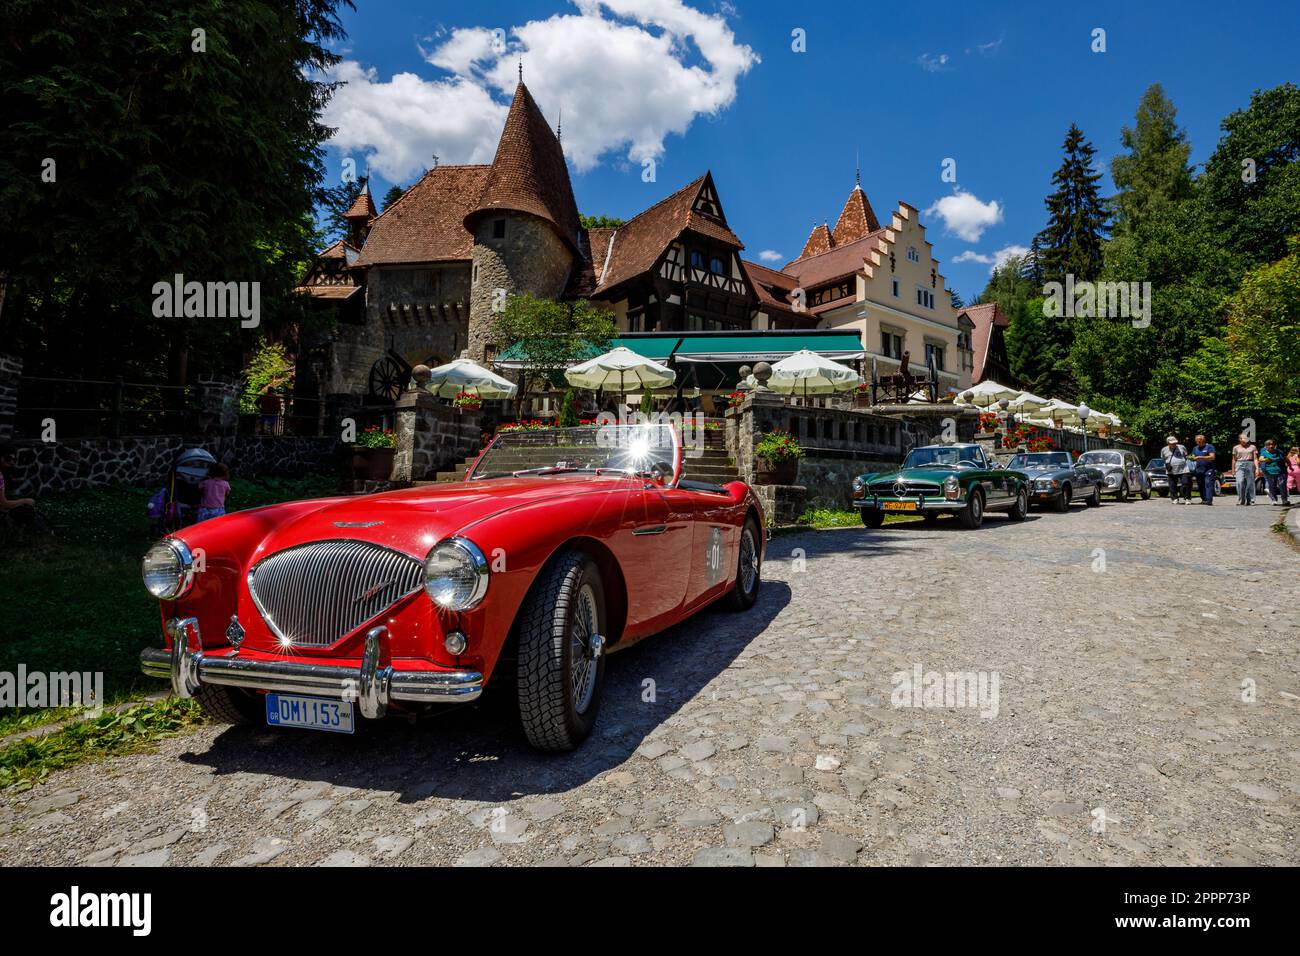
[
  {"x": 1056, "y": 479},
  {"x": 1122, "y": 474}
]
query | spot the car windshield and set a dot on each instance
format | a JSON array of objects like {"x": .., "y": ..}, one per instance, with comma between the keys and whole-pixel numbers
[
  {"x": 1100, "y": 458},
  {"x": 1042, "y": 459},
  {"x": 612, "y": 449},
  {"x": 1155, "y": 464},
  {"x": 949, "y": 456}
]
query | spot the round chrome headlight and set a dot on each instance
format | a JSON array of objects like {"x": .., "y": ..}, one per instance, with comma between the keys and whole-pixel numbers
[
  {"x": 168, "y": 569},
  {"x": 859, "y": 487},
  {"x": 456, "y": 574}
]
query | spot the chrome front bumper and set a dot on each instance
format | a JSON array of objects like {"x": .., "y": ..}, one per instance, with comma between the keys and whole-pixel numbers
[
  {"x": 924, "y": 504},
  {"x": 371, "y": 686}
]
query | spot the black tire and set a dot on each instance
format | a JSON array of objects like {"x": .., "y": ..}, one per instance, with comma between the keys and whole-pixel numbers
[
  {"x": 742, "y": 598},
  {"x": 872, "y": 517},
  {"x": 1146, "y": 493},
  {"x": 557, "y": 715},
  {"x": 1062, "y": 502},
  {"x": 1094, "y": 499},
  {"x": 1020, "y": 510},
  {"x": 972, "y": 516},
  {"x": 1122, "y": 493},
  {"x": 230, "y": 705}
]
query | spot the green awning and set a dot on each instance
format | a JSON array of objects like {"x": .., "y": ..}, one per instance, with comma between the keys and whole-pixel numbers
[
  {"x": 765, "y": 348},
  {"x": 740, "y": 348}
]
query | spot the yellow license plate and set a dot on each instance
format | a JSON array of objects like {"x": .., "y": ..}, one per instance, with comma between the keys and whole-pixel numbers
[{"x": 900, "y": 505}]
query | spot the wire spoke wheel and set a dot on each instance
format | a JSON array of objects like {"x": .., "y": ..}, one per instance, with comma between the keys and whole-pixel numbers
[{"x": 582, "y": 662}]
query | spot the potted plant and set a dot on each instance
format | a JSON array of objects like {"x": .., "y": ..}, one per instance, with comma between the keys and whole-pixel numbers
[
  {"x": 467, "y": 401},
  {"x": 776, "y": 458},
  {"x": 734, "y": 399},
  {"x": 862, "y": 395},
  {"x": 372, "y": 455}
]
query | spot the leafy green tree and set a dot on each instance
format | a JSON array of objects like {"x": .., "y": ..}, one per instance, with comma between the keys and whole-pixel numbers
[
  {"x": 1264, "y": 336},
  {"x": 599, "y": 222},
  {"x": 1250, "y": 190},
  {"x": 551, "y": 336},
  {"x": 1028, "y": 347},
  {"x": 271, "y": 369},
  {"x": 1153, "y": 173},
  {"x": 1070, "y": 243},
  {"x": 335, "y": 201},
  {"x": 141, "y": 140}
]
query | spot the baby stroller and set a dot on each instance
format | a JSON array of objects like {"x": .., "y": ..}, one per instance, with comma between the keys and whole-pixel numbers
[{"x": 172, "y": 507}]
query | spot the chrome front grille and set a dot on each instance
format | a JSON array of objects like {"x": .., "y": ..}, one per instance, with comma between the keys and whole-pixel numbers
[
  {"x": 913, "y": 488},
  {"x": 314, "y": 594}
]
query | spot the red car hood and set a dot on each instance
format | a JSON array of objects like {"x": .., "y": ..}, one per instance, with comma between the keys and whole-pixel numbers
[{"x": 413, "y": 520}]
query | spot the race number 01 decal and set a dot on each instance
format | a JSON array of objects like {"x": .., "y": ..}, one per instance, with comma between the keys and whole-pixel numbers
[{"x": 713, "y": 556}]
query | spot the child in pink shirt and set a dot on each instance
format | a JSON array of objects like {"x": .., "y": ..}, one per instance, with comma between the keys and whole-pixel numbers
[{"x": 212, "y": 493}]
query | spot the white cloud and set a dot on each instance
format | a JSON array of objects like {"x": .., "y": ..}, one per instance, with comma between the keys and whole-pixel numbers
[
  {"x": 933, "y": 62},
  {"x": 994, "y": 260},
  {"x": 965, "y": 216},
  {"x": 400, "y": 123},
  {"x": 623, "y": 74},
  {"x": 770, "y": 255}
]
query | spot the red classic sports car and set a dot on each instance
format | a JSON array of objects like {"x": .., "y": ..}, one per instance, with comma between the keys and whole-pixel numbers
[{"x": 560, "y": 545}]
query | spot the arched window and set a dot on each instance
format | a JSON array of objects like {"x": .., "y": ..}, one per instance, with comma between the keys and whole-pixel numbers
[
  {"x": 717, "y": 266},
  {"x": 697, "y": 259}
]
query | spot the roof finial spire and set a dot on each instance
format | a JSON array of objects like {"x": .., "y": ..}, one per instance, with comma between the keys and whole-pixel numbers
[
  {"x": 521, "y": 69},
  {"x": 857, "y": 163},
  {"x": 559, "y": 128}
]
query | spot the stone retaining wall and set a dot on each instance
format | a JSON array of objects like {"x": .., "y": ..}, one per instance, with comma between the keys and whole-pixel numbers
[
  {"x": 45, "y": 467},
  {"x": 432, "y": 437}
]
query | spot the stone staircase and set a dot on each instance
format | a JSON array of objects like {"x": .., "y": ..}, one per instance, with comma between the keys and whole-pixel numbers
[{"x": 711, "y": 464}]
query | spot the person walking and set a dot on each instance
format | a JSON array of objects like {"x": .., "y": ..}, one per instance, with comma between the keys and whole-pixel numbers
[
  {"x": 1245, "y": 462},
  {"x": 1207, "y": 475},
  {"x": 1178, "y": 470},
  {"x": 1272, "y": 464},
  {"x": 1292, "y": 468}
]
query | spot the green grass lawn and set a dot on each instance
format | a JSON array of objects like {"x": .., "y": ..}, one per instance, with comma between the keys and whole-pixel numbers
[
  {"x": 74, "y": 601},
  {"x": 845, "y": 518}
]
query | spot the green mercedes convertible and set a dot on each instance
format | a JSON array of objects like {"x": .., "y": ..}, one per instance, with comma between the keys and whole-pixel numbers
[{"x": 934, "y": 479}]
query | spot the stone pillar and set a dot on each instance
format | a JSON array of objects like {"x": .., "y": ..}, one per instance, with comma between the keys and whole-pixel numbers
[
  {"x": 11, "y": 368},
  {"x": 413, "y": 420}
]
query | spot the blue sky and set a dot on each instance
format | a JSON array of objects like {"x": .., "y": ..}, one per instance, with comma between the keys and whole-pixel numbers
[{"x": 701, "y": 84}]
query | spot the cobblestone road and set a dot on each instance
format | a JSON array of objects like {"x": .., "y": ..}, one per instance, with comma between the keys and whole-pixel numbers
[{"x": 1147, "y": 711}]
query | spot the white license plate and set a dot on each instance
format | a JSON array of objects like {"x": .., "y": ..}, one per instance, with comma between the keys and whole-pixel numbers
[{"x": 313, "y": 713}]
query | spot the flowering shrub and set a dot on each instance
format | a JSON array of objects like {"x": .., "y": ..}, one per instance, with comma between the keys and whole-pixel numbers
[
  {"x": 735, "y": 398},
  {"x": 778, "y": 445},
  {"x": 1034, "y": 439},
  {"x": 376, "y": 437},
  {"x": 988, "y": 421},
  {"x": 536, "y": 424},
  {"x": 467, "y": 400}
]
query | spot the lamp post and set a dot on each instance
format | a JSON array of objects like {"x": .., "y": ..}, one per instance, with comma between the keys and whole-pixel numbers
[{"x": 1084, "y": 412}]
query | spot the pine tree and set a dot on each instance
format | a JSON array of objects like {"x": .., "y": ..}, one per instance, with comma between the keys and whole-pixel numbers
[
  {"x": 1076, "y": 216},
  {"x": 394, "y": 193},
  {"x": 1154, "y": 171}
]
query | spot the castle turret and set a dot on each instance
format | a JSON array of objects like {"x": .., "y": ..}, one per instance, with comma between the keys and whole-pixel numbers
[
  {"x": 525, "y": 224},
  {"x": 359, "y": 216}
]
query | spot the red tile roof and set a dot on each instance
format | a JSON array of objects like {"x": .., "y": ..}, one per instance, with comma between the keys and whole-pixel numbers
[
  {"x": 640, "y": 240},
  {"x": 427, "y": 223},
  {"x": 529, "y": 173},
  {"x": 819, "y": 241},
  {"x": 856, "y": 219},
  {"x": 773, "y": 289},
  {"x": 362, "y": 206},
  {"x": 835, "y": 263},
  {"x": 984, "y": 318}
]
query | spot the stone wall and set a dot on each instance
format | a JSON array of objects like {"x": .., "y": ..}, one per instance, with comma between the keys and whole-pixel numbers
[
  {"x": 11, "y": 367},
  {"x": 420, "y": 312},
  {"x": 431, "y": 436},
  {"x": 45, "y": 467},
  {"x": 531, "y": 258}
]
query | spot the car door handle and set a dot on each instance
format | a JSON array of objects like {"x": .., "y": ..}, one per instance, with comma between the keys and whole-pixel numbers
[{"x": 651, "y": 529}]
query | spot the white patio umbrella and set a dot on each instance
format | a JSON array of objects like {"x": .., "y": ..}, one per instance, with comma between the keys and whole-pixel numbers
[
  {"x": 1026, "y": 403},
  {"x": 987, "y": 394},
  {"x": 807, "y": 373},
  {"x": 1099, "y": 420},
  {"x": 619, "y": 368},
  {"x": 1062, "y": 412},
  {"x": 466, "y": 375}
]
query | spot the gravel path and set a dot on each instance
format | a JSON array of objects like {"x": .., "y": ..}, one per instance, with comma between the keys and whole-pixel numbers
[{"x": 1147, "y": 711}]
